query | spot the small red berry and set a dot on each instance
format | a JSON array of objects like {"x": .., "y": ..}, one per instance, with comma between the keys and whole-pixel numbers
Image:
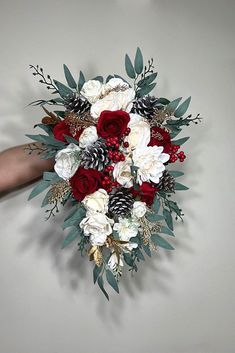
[{"x": 126, "y": 144}]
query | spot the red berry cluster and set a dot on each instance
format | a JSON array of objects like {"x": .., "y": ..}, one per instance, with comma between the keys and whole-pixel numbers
[
  {"x": 113, "y": 144},
  {"x": 174, "y": 156},
  {"x": 107, "y": 182}
]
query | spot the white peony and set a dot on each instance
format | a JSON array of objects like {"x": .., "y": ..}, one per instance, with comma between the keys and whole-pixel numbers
[
  {"x": 113, "y": 261},
  {"x": 92, "y": 90},
  {"x": 97, "y": 201},
  {"x": 122, "y": 173},
  {"x": 150, "y": 162},
  {"x": 88, "y": 136},
  {"x": 139, "y": 209},
  {"x": 121, "y": 100},
  {"x": 67, "y": 161},
  {"x": 127, "y": 229},
  {"x": 97, "y": 226},
  {"x": 140, "y": 132},
  {"x": 113, "y": 84}
]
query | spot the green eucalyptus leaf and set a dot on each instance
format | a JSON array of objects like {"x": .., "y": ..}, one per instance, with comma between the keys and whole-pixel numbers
[
  {"x": 112, "y": 280},
  {"x": 128, "y": 259},
  {"x": 163, "y": 101},
  {"x": 51, "y": 176},
  {"x": 70, "y": 139},
  {"x": 147, "y": 80},
  {"x": 69, "y": 78},
  {"x": 181, "y": 110},
  {"x": 58, "y": 100},
  {"x": 135, "y": 239},
  {"x": 45, "y": 201},
  {"x": 145, "y": 90},
  {"x": 139, "y": 255},
  {"x": 75, "y": 218},
  {"x": 71, "y": 213},
  {"x": 159, "y": 241},
  {"x": 40, "y": 187},
  {"x": 63, "y": 90},
  {"x": 168, "y": 218},
  {"x": 174, "y": 207},
  {"x": 99, "y": 78},
  {"x": 50, "y": 140},
  {"x": 73, "y": 234},
  {"x": 39, "y": 138},
  {"x": 138, "y": 61},
  {"x": 100, "y": 282},
  {"x": 179, "y": 186},
  {"x": 81, "y": 80},
  {"x": 156, "y": 204},
  {"x": 109, "y": 78},
  {"x": 147, "y": 250},
  {"x": 181, "y": 141},
  {"x": 96, "y": 272},
  {"x": 118, "y": 76},
  {"x": 175, "y": 173},
  {"x": 46, "y": 128},
  {"x": 60, "y": 113},
  {"x": 166, "y": 230},
  {"x": 129, "y": 67},
  {"x": 174, "y": 131},
  {"x": 153, "y": 217},
  {"x": 173, "y": 104}
]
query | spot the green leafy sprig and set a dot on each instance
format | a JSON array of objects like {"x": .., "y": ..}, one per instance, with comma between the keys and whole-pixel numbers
[{"x": 143, "y": 76}]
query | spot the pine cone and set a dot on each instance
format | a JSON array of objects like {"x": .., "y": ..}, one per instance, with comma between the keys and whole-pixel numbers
[
  {"x": 95, "y": 157},
  {"x": 76, "y": 104},
  {"x": 166, "y": 182},
  {"x": 145, "y": 106},
  {"x": 120, "y": 202}
]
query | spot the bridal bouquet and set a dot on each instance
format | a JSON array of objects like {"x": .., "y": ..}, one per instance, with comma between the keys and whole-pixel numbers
[{"x": 114, "y": 146}]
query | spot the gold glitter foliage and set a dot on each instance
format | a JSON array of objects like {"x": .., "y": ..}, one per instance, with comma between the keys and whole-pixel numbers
[
  {"x": 58, "y": 191},
  {"x": 76, "y": 123},
  {"x": 95, "y": 255}
]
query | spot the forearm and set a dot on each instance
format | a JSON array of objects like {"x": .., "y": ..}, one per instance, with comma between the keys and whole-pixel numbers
[{"x": 17, "y": 167}]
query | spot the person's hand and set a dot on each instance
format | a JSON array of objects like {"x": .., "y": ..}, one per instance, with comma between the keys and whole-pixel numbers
[{"x": 18, "y": 167}]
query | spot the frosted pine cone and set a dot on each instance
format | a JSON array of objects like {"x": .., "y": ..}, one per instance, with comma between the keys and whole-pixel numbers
[
  {"x": 167, "y": 182},
  {"x": 76, "y": 104},
  {"x": 120, "y": 202},
  {"x": 95, "y": 157}
]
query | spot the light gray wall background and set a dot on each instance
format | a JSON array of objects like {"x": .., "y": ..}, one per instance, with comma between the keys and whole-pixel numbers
[{"x": 180, "y": 302}]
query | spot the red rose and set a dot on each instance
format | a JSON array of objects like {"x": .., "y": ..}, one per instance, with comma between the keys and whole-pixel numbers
[
  {"x": 62, "y": 129},
  {"x": 112, "y": 123},
  {"x": 85, "y": 182},
  {"x": 160, "y": 137},
  {"x": 146, "y": 192}
]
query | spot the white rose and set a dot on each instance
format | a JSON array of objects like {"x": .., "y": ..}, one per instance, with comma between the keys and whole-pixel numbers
[
  {"x": 114, "y": 83},
  {"x": 150, "y": 162},
  {"x": 113, "y": 261},
  {"x": 92, "y": 90},
  {"x": 97, "y": 226},
  {"x": 127, "y": 229},
  {"x": 140, "y": 132},
  {"x": 88, "y": 136},
  {"x": 121, "y": 100},
  {"x": 122, "y": 173},
  {"x": 97, "y": 202},
  {"x": 139, "y": 209},
  {"x": 67, "y": 161}
]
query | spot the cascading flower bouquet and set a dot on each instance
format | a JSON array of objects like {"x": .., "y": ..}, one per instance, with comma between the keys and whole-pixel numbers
[{"x": 114, "y": 145}]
